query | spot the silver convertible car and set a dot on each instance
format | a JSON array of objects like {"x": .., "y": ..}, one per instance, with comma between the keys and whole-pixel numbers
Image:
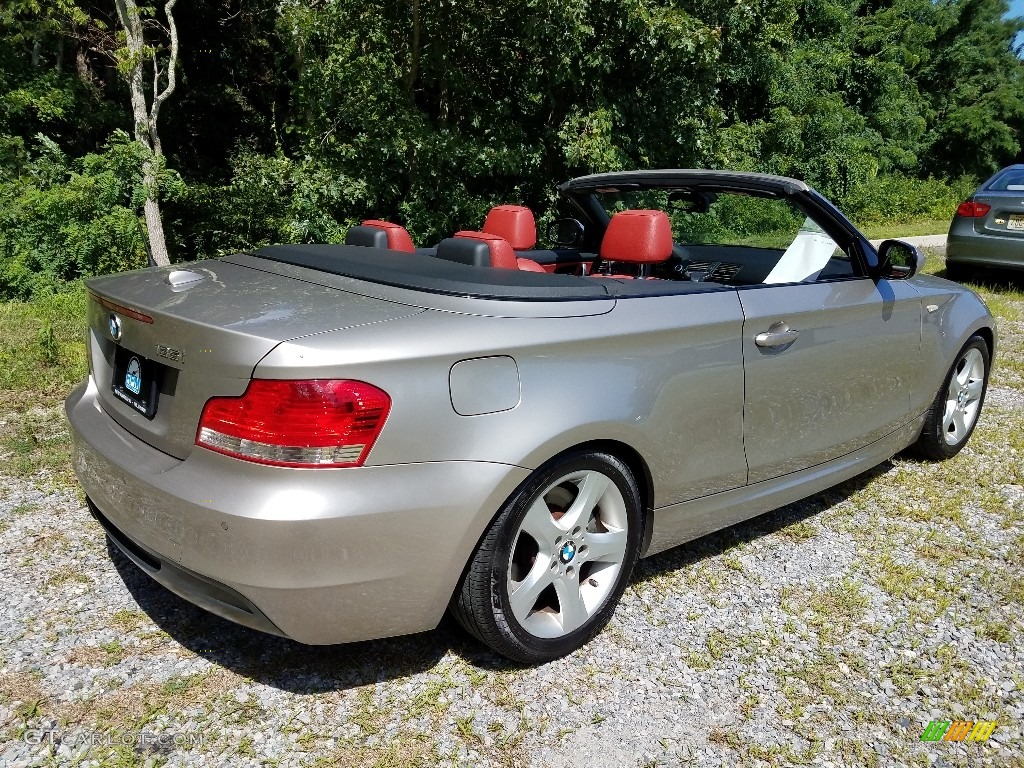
[{"x": 341, "y": 442}]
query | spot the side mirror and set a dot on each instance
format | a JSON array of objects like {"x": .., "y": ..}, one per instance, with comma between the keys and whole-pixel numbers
[
  {"x": 898, "y": 260},
  {"x": 565, "y": 233}
]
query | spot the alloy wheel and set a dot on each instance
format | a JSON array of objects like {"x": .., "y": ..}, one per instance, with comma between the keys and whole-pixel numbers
[
  {"x": 963, "y": 396},
  {"x": 567, "y": 554}
]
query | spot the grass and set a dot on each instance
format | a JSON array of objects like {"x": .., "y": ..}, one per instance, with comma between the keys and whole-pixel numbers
[
  {"x": 43, "y": 355},
  {"x": 884, "y": 230},
  {"x": 830, "y": 610}
]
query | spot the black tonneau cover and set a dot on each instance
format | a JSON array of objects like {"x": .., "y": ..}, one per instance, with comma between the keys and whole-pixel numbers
[{"x": 420, "y": 272}]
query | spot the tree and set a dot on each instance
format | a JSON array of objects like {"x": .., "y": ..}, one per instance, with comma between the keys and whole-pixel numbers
[
  {"x": 132, "y": 63},
  {"x": 975, "y": 87}
]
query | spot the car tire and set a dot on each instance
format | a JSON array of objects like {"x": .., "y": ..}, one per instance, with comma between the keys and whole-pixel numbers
[
  {"x": 549, "y": 571},
  {"x": 950, "y": 420}
]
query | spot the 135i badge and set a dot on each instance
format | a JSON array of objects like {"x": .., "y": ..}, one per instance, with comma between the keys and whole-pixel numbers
[{"x": 170, "y": 353}]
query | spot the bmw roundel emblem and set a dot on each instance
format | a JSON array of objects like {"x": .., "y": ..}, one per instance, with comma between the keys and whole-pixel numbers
[
  {"x": 114, "y": 323},
  {"x": 568, "y": 552}
]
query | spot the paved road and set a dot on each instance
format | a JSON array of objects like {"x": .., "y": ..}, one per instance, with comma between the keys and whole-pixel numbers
[{"x": 927, "y": 241}]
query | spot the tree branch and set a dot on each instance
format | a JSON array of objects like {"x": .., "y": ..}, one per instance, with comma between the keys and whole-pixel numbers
[
  {"x": 156, "y": 76},
  {"x": 414, "y": 54},
  {"x": 172, "y": 66},
  {"x": 128, "y": 12}
]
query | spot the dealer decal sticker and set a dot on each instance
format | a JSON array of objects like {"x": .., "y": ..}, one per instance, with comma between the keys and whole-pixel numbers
[{"x": 958, "y": 730}]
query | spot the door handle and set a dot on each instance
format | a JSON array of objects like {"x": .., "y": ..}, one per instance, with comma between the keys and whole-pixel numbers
[{"x": 777, "y": 335}]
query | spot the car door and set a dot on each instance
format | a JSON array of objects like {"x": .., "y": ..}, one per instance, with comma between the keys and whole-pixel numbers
[{"x": 828, "y": 368}]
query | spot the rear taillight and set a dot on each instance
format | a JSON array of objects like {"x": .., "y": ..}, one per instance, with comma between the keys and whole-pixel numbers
[
  {"x": 972, "y": 210},
  {"x": 309, "y": 423}
]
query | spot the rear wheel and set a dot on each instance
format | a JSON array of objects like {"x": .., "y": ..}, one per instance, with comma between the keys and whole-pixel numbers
[
  {"x": 951, "y": 419},
  {"x": 550, "y": 570}
]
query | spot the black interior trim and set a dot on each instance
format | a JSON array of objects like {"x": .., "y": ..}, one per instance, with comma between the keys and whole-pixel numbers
[
  {"x": 368, "y": 237},
  {"x": 416, "y": 272},
  {"x": 433, "y": 275},
  {"x": 464, "y": 250}
]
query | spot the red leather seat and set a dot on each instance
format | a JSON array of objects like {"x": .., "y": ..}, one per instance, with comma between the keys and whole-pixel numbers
[
  {"x": 515, "y": 223},
  {"x": 637, "y": 237},
  {"x": 478, "y": 249},
  {"x": 500, "y": 250},
  {"x": 498, "y": 254},
  {"x": 529, "y": 265},
  {"x": 380, "y": 234}
]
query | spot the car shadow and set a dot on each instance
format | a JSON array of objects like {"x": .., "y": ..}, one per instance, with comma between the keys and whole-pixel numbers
[
  {"x": 721, "y": 541},
  {"x": 992, "y": 280},
  {"x": 305, "y": 669},
  {"x": 277, "y": 661}
]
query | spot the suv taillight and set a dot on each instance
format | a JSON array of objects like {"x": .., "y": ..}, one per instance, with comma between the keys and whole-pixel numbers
[
  {"x": 972, "y": 210},
  {"x": 308, "y": 423}
]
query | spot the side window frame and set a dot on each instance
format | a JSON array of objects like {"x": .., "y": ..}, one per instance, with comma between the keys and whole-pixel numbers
[
  {"x": 862, "y": 254},
  {"x": 834, "y": 224}
]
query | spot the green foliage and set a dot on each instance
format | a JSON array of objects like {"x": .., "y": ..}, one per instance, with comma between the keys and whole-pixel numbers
[
  {"x": 294, "y": 120},
  {"x": 898, "y": 199},
  {"x": 48, "y": 347},
  {"x": 271, "y": 198},
  {"x": 66, "y": 219},
  {"x": 43, "y": 354},
  {"x": 976, "y": 88}
]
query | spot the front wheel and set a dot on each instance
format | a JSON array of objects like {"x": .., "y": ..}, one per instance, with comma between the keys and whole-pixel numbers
[
  {"x": 951, "y": 419},
  {"x": 547, "y": 575}
]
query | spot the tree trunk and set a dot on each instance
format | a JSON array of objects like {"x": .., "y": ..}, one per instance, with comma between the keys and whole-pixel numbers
[
  {"x": 154, "y": 221},
  {"x": 145, "y": 115},
  {"x": 82, "y": 63}
]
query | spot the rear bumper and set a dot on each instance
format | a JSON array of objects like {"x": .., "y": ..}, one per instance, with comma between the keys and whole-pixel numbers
[
  {"x": 965, "y": 246},
  {"x": 318, "y": 555},
  {"x": 204, "y": 592}
]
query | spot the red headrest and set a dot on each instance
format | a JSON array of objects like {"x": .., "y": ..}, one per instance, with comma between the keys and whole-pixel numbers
[
  {"x": 639, "y": 237},
  {"x": 502, "y": 255},
  {"x": 398, "y": 237},
  {"x": 514, "y": 223}
]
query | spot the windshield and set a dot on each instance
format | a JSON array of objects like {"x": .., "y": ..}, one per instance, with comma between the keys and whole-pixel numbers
[
  {"x": 709, "y": 217},
  {"x": 739, "y": 229}
]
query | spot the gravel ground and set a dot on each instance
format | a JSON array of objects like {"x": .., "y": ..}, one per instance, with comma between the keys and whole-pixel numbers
[{"x": 827, "y": 633}]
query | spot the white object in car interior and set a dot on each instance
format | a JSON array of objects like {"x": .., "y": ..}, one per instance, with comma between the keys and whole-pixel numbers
[{"x": 806, "y": 256}]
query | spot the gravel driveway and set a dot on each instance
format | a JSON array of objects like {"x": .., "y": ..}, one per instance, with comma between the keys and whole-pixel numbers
[{"x": 829, "y": 632}]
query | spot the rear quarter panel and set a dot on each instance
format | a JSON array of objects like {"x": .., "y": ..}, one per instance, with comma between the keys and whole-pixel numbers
[{"x": 660, "y": 374}]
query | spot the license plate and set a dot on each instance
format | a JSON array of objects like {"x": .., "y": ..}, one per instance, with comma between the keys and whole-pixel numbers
[
  {"x": 1016, "y": 221},
  {"x": 136, "y": 381}
]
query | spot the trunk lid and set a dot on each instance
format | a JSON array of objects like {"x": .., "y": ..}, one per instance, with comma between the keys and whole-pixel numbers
[
  {"x": 198, "y": 333},
  {"x": 1006, "y": 217}
]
